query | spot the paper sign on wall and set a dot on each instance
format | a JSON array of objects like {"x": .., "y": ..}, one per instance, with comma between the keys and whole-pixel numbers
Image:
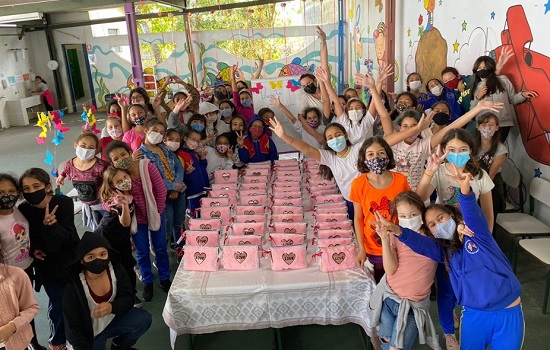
[{"x": 12, "y": 81}]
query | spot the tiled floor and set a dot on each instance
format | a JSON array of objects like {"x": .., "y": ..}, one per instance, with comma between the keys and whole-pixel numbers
[{"x": 19, "y": 151}]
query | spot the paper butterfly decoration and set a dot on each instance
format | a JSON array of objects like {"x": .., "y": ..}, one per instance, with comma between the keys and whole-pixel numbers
[
  {"x": 257, "y": 88},
  {"x": 88, "y": 117},
  {"x": 293, "y": 85},
  {"x": 49, "y": 158},
  {"x": 276, "y": 84}
]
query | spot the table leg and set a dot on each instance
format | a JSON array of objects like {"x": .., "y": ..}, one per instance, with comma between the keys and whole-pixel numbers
[{"x": 279, "y": 339}]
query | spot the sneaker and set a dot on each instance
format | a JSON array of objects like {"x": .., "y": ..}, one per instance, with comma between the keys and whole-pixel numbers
[
  {"x": 147, "y": 292},
  {"x": 451, "y": 343},
  {"x": 34, "y": 345},
  {"x": 137, "y": 302},
  {"x": 138, "y": 273},
  {"x": 165, "y": 285},
  {"x": 58, "y": 347}
]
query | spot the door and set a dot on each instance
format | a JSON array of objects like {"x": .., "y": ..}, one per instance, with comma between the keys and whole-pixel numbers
[{"x": 79, "y": 76}]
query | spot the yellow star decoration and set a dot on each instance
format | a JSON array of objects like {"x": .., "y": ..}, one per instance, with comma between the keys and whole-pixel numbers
[
  {"x": 456, "y": 45},
  {"x": 409, "y": 32}
]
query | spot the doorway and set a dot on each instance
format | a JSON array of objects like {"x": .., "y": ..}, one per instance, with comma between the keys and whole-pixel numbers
[{"x": 79, "y": 76}]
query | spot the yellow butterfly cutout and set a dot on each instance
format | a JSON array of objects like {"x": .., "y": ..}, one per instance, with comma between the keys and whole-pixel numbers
[{"x": 276, "y": 84}]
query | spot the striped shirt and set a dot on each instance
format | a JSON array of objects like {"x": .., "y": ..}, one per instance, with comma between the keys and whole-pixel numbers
[{"x": 159, "y": 191}]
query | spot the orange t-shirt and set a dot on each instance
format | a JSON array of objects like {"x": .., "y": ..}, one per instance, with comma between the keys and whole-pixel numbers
[{"x": 371, "y": 200}]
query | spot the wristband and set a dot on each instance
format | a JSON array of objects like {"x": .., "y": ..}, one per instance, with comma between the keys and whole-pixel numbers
[{"x": 428, "y": 175}]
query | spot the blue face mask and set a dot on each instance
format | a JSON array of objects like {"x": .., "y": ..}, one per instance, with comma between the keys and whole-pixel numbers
[
  {"x": 445, "y": 230},
  {"x": 247, "y": 103},
  {"x": 338, "y": 144},
  {"x": 458, "y": 159},
  {"x": 197, "y": 127}
]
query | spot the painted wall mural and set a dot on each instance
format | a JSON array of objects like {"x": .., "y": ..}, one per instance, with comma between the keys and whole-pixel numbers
[{"x": 459, "y": 34}]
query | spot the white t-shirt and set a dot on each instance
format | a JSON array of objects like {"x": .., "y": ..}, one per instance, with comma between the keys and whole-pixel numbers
[
  {"x": 14, "y": 239},
  {"x": 306, "y": 137},
  {"x": 488, "y": 161},
  {"x": 357, "y": 131},
  {"x": 308, "y": 100},
  {"x": 448, "y": 189},
  {"x": 410, "y": 160},
  {"x": 215, "y": 162},
  {"x": 343, "y": 169}
]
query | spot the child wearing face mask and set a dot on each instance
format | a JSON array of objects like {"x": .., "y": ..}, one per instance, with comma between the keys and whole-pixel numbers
[
  {"x": 14, "y": 237},
  {"x": 119, "y": 222},
  {"x": 113, "y": 128},
  {"x": 256, "y": 146},
  {"x": 54, "y": 241},
  {"x": 194, "y": 164},
  {"x": 220, "y": 157},
  {"x": 414, "y": 84},
  {"x": 438, "y": 92},
  {"x": 214, "y": 126},
  {"x": 149, "y": 193},
  {"x": 197, "y": 122},
  {"x": 86, "y": 172},
  {"x": 172, "y": 172},
  {"x": 480, "y": 274},
  {"x": 372, "y": 192},
  {"x": 241, "y": 98},
  {"x": 406, "y": 284},
  {"x": 312, "y": 118},
  {"x": 227, "y": 112},
  {"x": 113, "y": 110},
  {"x": 491, "y": 154},
  {"x": 135, "y": 135},
  {"x": 97, "y": 303}
]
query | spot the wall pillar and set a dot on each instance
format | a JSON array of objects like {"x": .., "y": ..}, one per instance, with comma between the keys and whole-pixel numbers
[{"x": 133, "y": 40}]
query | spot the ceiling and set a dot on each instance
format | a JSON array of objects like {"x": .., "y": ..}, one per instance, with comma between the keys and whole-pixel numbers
[{"x": 11, "y": 7}]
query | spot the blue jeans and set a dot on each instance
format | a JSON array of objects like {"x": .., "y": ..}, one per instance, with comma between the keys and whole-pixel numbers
[
  {"x": 502, "y": 329},
  {"x": 351, "y": 210},
  {"x": 175, "y": 216},
  {"x": 158, "y": 240},
  {"x": 54, "y": 289},
  {"x": 446, "y": 300},
  {"x": 125, "y": 328},
  {"x": 388, "y": 326}
]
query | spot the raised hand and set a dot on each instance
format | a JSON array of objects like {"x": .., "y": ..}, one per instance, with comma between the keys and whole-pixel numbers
[
  {"x": 489, "y": 105},
  {"x": 49, "y": 217},
  {"x": 240, "y": 139},
  {"x": 384, "y": 228},
  {"x": 157, "y": 100},
  {"x": 529, "y": 93},
  {"x": 321, "y": 74},
  {"x": 425, "y": 121},
  {"x": 275, "y": 101},
  {"x": 321, "y": 33},
  {"x": 277, "y": 127},
  {"x": 505, "y": 55},
  {"x": 230, "y": 152},
  {"x": 435, "y": 160},
  {"x": 122, "y": 101},
  {"x": 385, "y": 70},
  {"x": 464, "y": 230},
  {"x": 462, "y": 178},
  {"x": 182, "y": 104},
  {"x": 365, "y": 80}
]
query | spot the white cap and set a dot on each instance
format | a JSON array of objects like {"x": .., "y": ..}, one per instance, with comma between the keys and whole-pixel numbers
[{"x": 207, "y": 107}]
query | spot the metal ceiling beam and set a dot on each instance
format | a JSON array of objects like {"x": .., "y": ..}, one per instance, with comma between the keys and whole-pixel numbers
[{"x": 53, "y": 7}]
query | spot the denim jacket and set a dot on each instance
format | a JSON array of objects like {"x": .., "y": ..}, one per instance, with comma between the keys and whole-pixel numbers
[{"x": 173, "y": 161}]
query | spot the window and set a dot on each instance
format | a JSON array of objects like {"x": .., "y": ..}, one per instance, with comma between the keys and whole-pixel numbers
[{"x": 112, "y": 31}]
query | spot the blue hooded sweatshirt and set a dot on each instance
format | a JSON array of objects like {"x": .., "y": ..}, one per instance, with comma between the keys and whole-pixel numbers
[
  {"x": 447, "y": 95},
  {"x": 480, "y": 273},
  {"x": 260, "y": 150}
]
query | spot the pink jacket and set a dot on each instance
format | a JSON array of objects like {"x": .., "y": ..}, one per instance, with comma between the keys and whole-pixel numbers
[{"x": 17, "y": 305}]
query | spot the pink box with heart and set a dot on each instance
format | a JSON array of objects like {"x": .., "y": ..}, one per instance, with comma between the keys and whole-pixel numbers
[
  {"x": 203, "y": 238},
  {"x": 249, "y": 228},
  {"x": 204, "y": 224},
  {"x": 337, "y": 258},
  {"x": 243, "y": 240},
  {"x": 226, "y": 176},
  {"x": 280, "y": 239},
  {"x": 288, "y": 257},
  {"x": 240, "y": 257},
  {"x": 198, "y": 258}
]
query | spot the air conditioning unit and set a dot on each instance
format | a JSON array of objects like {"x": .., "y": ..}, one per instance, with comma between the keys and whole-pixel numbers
[{"x": 24, "y": 17}]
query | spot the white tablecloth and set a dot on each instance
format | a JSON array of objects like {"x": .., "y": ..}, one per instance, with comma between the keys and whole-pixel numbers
[{"x": 206, "y": 302}]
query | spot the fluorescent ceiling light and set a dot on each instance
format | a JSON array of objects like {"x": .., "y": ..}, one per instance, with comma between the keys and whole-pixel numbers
[
  {"x": 24, "y": 17},
  {"x": 8, "y": 25}
]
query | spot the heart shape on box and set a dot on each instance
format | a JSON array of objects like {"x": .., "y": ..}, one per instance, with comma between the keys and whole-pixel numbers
[
  {"x": 288, "y": 197},
  {"x": 224, "y": 195},
  {"x": 205, "y": 227},
  {"x": 254, "y": 181},
  {"x": 288, "y": 220},
  {"x": 329, "y": 201},
  {"x": 288, "y": 204},
  {"x": 256, "y": 173},
  {"x": 202, "y": 240},
  {"x": 249, "y": 212},
  {"x": 322, "y": 184},
  {"x": 335, "y": 228},
  {"x": 290, "y": 230},
  {"x": 226, "y": 176},
  {"x": 339, "y": 257},
  {"x": 331, "y": 220},
  {"x": 334, "y": 245},
  {"x": 289, "y": 258},
  {"x": 254, "y": 188},
  {"x": 240, "y": 256},
  {"x": 249, "y": 231},
  {"x": 215, "y": 204},
  {"x": 249, "y": 221},
  {"x": 215, "y": 214},
  {"x": 225, "y": 188},
  {"x": 335, "y": 236},
  {"x": 287, "y": 175},
  {"x": 244, "y": 242},
  {"x": 287, "y": 242},
  {"x": 253, "y": 201},
  {"x": 288, "y": 212},
  {"x": 200, "y": 257}
]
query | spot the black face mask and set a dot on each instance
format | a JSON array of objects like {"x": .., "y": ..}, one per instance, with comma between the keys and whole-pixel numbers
[
  {"x": 441, "y": 118},
  {"x": 8, "y": 201},
  {"x": 96, "y": 266},
  {"x": 220, "y": 95},
  {"x": 310, "y": 88},
  {"x": 482, "y": 73},
  {"x": 36, "y": 197}
]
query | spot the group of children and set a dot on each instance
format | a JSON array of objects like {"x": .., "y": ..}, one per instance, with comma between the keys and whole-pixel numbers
[{"x": 150, "y": 167}]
